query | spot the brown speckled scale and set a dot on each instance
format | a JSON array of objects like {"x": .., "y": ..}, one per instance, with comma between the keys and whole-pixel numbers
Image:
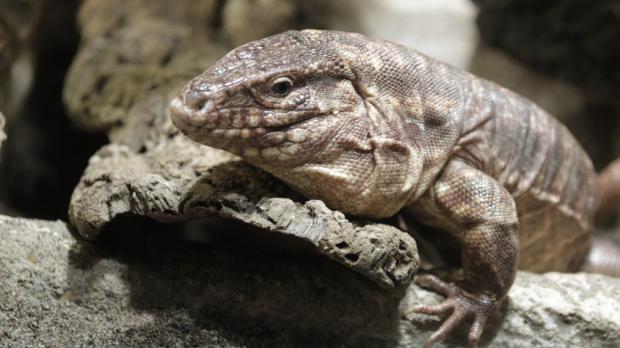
[{"x": 373, "y": 128}]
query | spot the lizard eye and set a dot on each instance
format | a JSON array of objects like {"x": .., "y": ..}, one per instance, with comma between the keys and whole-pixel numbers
[{"x": 281, "y": 86}]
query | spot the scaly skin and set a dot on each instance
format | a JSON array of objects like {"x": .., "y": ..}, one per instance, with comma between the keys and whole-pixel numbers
[{"x": 373, "y": 128}]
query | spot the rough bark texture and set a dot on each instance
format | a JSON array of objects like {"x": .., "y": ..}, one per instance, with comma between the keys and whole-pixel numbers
[
  {"x": 180, "y": 180},
  {"x": 153, "y": 290}
]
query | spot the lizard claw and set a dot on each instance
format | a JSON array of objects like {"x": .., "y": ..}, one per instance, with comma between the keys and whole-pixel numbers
[{"x": 459, "y": 305}]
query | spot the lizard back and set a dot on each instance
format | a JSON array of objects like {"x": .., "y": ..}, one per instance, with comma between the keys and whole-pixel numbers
[{"x": 544, "y": 168}]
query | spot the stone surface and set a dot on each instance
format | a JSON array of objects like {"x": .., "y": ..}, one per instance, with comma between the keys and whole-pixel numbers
[{"x": 142, "y": 287}]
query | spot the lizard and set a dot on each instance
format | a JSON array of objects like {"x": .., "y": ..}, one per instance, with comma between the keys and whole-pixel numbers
[{"x": 374, "y": 128}]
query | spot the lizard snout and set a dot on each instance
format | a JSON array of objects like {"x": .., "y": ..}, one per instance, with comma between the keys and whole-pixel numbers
[
  {"x": 195, "y": 108},
  {"x": 184, "y": 114}
]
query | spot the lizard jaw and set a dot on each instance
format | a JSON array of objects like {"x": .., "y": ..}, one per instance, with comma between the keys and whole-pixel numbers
[
  {"x": 208, "y": 116},
  {"x": 248, "y": 135}
]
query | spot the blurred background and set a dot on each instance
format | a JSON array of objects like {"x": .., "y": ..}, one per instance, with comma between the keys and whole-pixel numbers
[{"x": 562, "y": 54}]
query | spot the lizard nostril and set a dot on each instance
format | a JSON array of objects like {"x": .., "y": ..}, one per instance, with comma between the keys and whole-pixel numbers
[
  {"x": 200, "y": 104},
  {"x": 195, "y": 100}
]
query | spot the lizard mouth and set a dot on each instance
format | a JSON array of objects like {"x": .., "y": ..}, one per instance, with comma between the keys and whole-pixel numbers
[{"x": 240, "y": 123}]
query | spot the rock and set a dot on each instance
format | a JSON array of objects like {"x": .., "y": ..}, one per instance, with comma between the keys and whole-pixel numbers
[{"x": 143, "y": 287}]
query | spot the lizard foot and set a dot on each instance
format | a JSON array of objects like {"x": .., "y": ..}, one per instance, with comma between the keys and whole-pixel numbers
[{"x": 458, "y": 306}]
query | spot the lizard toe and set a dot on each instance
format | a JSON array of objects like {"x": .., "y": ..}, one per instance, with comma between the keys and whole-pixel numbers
[
  {"x": 434, "y": 283},
  {"x": 457, "y": 307},
  {"x": 476, "y": 329},
  {"x": 448, "y": 326}
]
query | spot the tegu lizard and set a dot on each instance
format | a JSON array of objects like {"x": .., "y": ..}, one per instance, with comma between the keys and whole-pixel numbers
[{"x": 373, "y": 128}]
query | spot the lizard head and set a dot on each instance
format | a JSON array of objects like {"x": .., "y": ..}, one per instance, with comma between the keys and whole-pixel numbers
[
  {"x": 271, "y": 101},
  {"x": 337, "y": 116}
]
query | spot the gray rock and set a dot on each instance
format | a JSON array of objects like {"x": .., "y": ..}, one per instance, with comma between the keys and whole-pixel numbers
[{"x": 154, "y": 290}]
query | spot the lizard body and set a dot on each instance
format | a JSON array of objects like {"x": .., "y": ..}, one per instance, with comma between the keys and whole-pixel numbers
[
  {"x": 373, "y": 128},
  {"x": 541, "y": 165}
]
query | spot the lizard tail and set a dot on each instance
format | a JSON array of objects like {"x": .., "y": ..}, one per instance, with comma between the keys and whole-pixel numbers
[
  {"x": 604, "y": 254},
  {"x": 609, "y": 187}
]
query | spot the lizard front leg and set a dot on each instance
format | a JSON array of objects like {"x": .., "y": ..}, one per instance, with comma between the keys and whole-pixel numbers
[{"x": 482, "y": 214}]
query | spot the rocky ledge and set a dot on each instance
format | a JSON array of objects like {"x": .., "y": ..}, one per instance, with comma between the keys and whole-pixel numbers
[{"x": 148, "y": 288}]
